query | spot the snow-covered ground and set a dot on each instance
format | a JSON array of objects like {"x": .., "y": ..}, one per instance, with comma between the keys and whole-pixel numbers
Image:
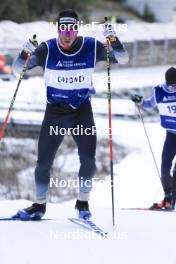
[{"x": 140, "y": 237}]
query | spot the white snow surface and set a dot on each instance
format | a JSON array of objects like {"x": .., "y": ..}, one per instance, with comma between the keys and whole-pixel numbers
[{"x": 139, "y": 237}]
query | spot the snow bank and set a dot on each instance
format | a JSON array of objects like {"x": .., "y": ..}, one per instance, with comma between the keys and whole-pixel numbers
[{"x": 46, "y": 30}]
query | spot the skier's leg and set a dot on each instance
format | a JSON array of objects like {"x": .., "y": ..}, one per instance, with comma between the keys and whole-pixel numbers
[
  {"x": 168, "y": 182},
  {"x": 174, "y": 172},
  {"x": 174, "y": 183},
  {"x": 86, "y": 142},
  {"x": 168, "y": 153},
  {"x": 47, "y": 147}
]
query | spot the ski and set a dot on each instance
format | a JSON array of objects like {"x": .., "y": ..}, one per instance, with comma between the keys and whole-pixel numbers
[
  {"x": 148, "y": 209},
  {"x": 90, "y": 225},
  {"x": 18, "y": 219}
]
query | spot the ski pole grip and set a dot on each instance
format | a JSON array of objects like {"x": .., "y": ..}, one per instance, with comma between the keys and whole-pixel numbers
[
  {"x": 107, "y": 39},
  {"x": 105, "y": 19},
  {"x": 34, "y": 40}
]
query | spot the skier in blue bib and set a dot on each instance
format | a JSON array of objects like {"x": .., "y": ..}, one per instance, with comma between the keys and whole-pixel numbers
[
  {"x": 164, "y": 97},
  {"x": 68, "y": 62}
]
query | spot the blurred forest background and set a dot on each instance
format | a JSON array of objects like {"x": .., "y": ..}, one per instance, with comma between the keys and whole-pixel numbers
[{"x": 29, "y": 10}]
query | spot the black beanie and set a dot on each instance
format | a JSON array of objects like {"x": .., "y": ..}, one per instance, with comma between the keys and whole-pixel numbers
[
  {"x": 170, "y": 76},
  {"x": 68, "y": 16}
]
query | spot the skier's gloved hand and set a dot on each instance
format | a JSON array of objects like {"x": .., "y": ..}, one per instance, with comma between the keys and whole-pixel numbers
[
  {"x": 138, "y": 99},
  {"x": 30, "y": 46},
  {"x": 109, "y": 32}
]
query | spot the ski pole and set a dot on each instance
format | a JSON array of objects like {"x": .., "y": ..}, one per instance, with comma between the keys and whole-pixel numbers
[
  {"x": 149, "y": 143},
  {"x": 110, "y": 124},
  {"x": 4, "y": 125}
]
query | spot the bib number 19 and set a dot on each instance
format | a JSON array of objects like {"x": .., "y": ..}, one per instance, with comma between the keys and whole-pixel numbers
[{"x": 172, "y": 109}]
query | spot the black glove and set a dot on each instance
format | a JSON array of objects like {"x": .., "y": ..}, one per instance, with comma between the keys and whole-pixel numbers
[{"x": 138, "y": 99}]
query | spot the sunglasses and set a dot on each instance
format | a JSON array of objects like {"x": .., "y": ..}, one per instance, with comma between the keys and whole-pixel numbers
[
  {"x": 70, "y": 33},
  {"x": 68, "y": 29}
]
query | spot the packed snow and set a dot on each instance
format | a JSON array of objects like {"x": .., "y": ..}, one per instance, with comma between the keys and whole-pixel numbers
[{"x": 139, "y": 237}]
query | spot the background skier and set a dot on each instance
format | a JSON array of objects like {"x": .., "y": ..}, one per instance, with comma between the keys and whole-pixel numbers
[{"x": 164, "y": 97}]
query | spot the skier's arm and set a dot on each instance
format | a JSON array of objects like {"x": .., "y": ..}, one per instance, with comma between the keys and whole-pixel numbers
[
  {"x": 118, "y": 53},
  {"x": 37, "y": 58},
  {"x": 147, "y": 103}
]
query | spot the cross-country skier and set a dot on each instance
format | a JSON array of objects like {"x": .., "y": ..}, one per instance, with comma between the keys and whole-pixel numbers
[
  {"x": 164, "y": 97},
  {"x": 68, "y": 62}
]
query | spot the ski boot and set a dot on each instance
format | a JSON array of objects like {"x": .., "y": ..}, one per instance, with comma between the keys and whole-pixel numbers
[
  {"x": 167, "y": 204},
  {"x": 83, "y": 209},
  {"x": 34, "y": 212}
]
